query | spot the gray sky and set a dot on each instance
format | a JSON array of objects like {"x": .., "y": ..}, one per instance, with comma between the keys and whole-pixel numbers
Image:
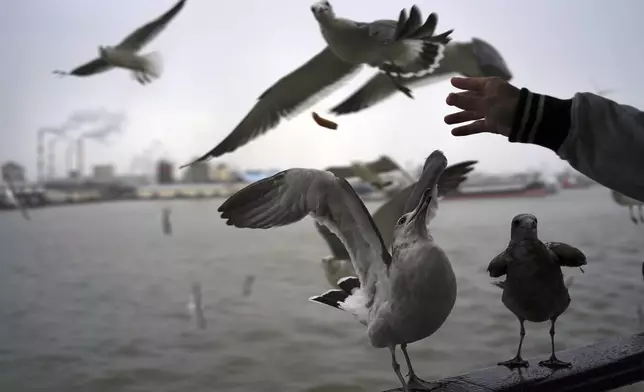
[{"x": 220, "y": 55}]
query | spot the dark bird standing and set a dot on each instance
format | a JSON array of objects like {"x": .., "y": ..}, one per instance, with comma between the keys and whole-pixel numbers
[{"x": 534, "y": 288}]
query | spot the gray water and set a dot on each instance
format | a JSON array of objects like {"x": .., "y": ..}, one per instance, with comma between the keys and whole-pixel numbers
[{"x": 93, "y": 298}]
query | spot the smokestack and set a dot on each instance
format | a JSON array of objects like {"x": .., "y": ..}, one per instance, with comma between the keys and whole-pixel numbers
[
  {"x": 40, "y": 163},
  {"x": 80, "y": 157},
  {"x": 69, "y": 158},
  {"x": 51, "y": 149}
]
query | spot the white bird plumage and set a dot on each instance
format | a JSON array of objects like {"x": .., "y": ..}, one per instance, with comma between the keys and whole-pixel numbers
[
  {"x": 144, "y": 67},
  {"x": 402, "y": 297}
]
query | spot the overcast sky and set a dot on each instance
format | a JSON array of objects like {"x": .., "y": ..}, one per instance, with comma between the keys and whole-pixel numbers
[{"x": 220, "y": 55}]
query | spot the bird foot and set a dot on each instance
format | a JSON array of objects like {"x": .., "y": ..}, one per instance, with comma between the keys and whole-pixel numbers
[
  {"x": 516, "y": 362},
  {"x": 405, "y": 90},
  {"x": 400, "y": 87},
  {"x": 554, "y": 363},
  {"x": 416, "y": 383}
]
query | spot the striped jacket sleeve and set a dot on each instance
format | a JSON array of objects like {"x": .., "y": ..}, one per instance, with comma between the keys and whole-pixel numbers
[{"x": 599, "y": 137}]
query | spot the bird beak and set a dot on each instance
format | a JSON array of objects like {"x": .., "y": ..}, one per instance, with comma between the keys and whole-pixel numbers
[
  {"x": 421, "y": 209},
  {"x": 434, "y": 167}
]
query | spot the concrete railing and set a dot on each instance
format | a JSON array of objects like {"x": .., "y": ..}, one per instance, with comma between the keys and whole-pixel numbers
[{"x": 599, "y": 367}]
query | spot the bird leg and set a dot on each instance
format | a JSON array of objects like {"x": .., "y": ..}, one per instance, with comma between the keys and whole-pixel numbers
[
  {"x": 553, "y": 362},
  {"x": 415, "y": 382},
  {"x": 630, "y": 211},
  {"x": 399, "y": 86},
  {"x": 388, "y": 68},
  {"x": 517, "y": 362},
  {"x": 396, "y": 367}
]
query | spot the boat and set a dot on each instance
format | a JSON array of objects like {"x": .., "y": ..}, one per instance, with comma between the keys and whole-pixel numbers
[{"x": 512, "y": 188}]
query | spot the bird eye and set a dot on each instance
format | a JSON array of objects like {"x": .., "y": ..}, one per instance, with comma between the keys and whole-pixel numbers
[
  {"x": 402, "y": 220},
  {"x": 515, "y": 223}
]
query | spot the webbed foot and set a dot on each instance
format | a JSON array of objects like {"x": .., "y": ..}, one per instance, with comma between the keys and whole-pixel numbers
[
  {"x": 554, "y": 363},
  {"x": 516, "y": 362}
]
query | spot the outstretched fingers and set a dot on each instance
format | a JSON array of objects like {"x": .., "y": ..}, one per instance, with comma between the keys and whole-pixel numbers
[
  {"x": 461, "y": 117},
  {"x": 470, "y": 129},
  {"x": 472, "y": 84},
  {"x": 467, "y": 100}
]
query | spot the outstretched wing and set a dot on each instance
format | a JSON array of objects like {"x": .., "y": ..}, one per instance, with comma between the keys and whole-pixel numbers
[
  {"x": 568, "y": 256},
  {"x": 290, "y": 195},
  {"x": 146, "y": 33},
  {"x": 453, "y": 178},
  {"x": 475, "y": 58},
  {"x": 387, "y": 215},
  {"x": 92, "y": 67},
  {"x": 499, "y": 265},
  {"x": 337, "y": 247},
  {"x": 292, "y": 93}
]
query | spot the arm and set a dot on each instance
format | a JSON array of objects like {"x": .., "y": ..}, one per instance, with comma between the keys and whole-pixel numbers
[{"x": 599, "y": 137}]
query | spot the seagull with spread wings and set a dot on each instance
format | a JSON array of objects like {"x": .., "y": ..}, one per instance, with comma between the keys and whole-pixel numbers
[
  {"x": 337, "y": 266},
  {"x": 400, "y": 297},
  {"x": 401, "y": 49},
  {"x": 125, "y": 55}
]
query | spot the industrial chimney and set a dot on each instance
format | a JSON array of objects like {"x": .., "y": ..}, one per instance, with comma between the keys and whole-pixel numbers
[
  {"x": 80, "y": 156},
  {"x": 51, "y": 150},
  {"x": 69, "y": 158},
  {"x": 40, "y": 163}
]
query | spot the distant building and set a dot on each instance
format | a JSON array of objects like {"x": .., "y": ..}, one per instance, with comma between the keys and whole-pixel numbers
[
  {"x": 165, "y": 172},
  {"x": 103, "y": 172},
  {"x": 197, "y": 173},
  {"x": 222, "y": 173},
  {"x": 134, "y": 180},
  {"x": 13, "y": 171}
]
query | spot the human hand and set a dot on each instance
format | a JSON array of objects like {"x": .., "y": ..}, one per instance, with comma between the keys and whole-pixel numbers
[{"x": 488, "y": 101}]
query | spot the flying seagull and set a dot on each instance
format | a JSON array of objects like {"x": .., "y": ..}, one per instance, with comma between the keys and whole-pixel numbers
[
  {"x": 125, "y": 54},
  {"x": 475, "y": 58},
  {"x": 400, "y": 49},
  {"x": 534, "y": 288},
  {"x": 631, "y": 203},
  {"x": 368, "y": 171},
  {"x": 400, "y": 297},
  {"x": 338, "y": 266}
]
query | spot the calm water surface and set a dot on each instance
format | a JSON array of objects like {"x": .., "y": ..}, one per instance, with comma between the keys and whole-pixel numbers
[{"x": 93, "y": 298}]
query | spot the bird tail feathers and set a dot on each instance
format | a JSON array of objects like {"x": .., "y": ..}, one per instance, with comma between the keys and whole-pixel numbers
[
  {"x": 423, "y": 56},
  {"x": 340, "y": 299},
  {"x": 153, "y": 64}
]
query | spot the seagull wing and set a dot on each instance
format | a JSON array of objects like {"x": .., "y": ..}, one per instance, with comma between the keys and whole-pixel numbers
[
  {"x": 337, "y": 247},
  {"x": 448, "y": 181},
  {"x": 289, "y": 95},
  {"x": 92, "y": 67},
  {"x": 499, "y": 265},
  {"x": 146, "y": 33},
  {"x": 475, "y": 58},
  {"x": 288, "y": 196},
  {"x": 387, "y": 215},
  {"x": 566, "y": 255}
]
